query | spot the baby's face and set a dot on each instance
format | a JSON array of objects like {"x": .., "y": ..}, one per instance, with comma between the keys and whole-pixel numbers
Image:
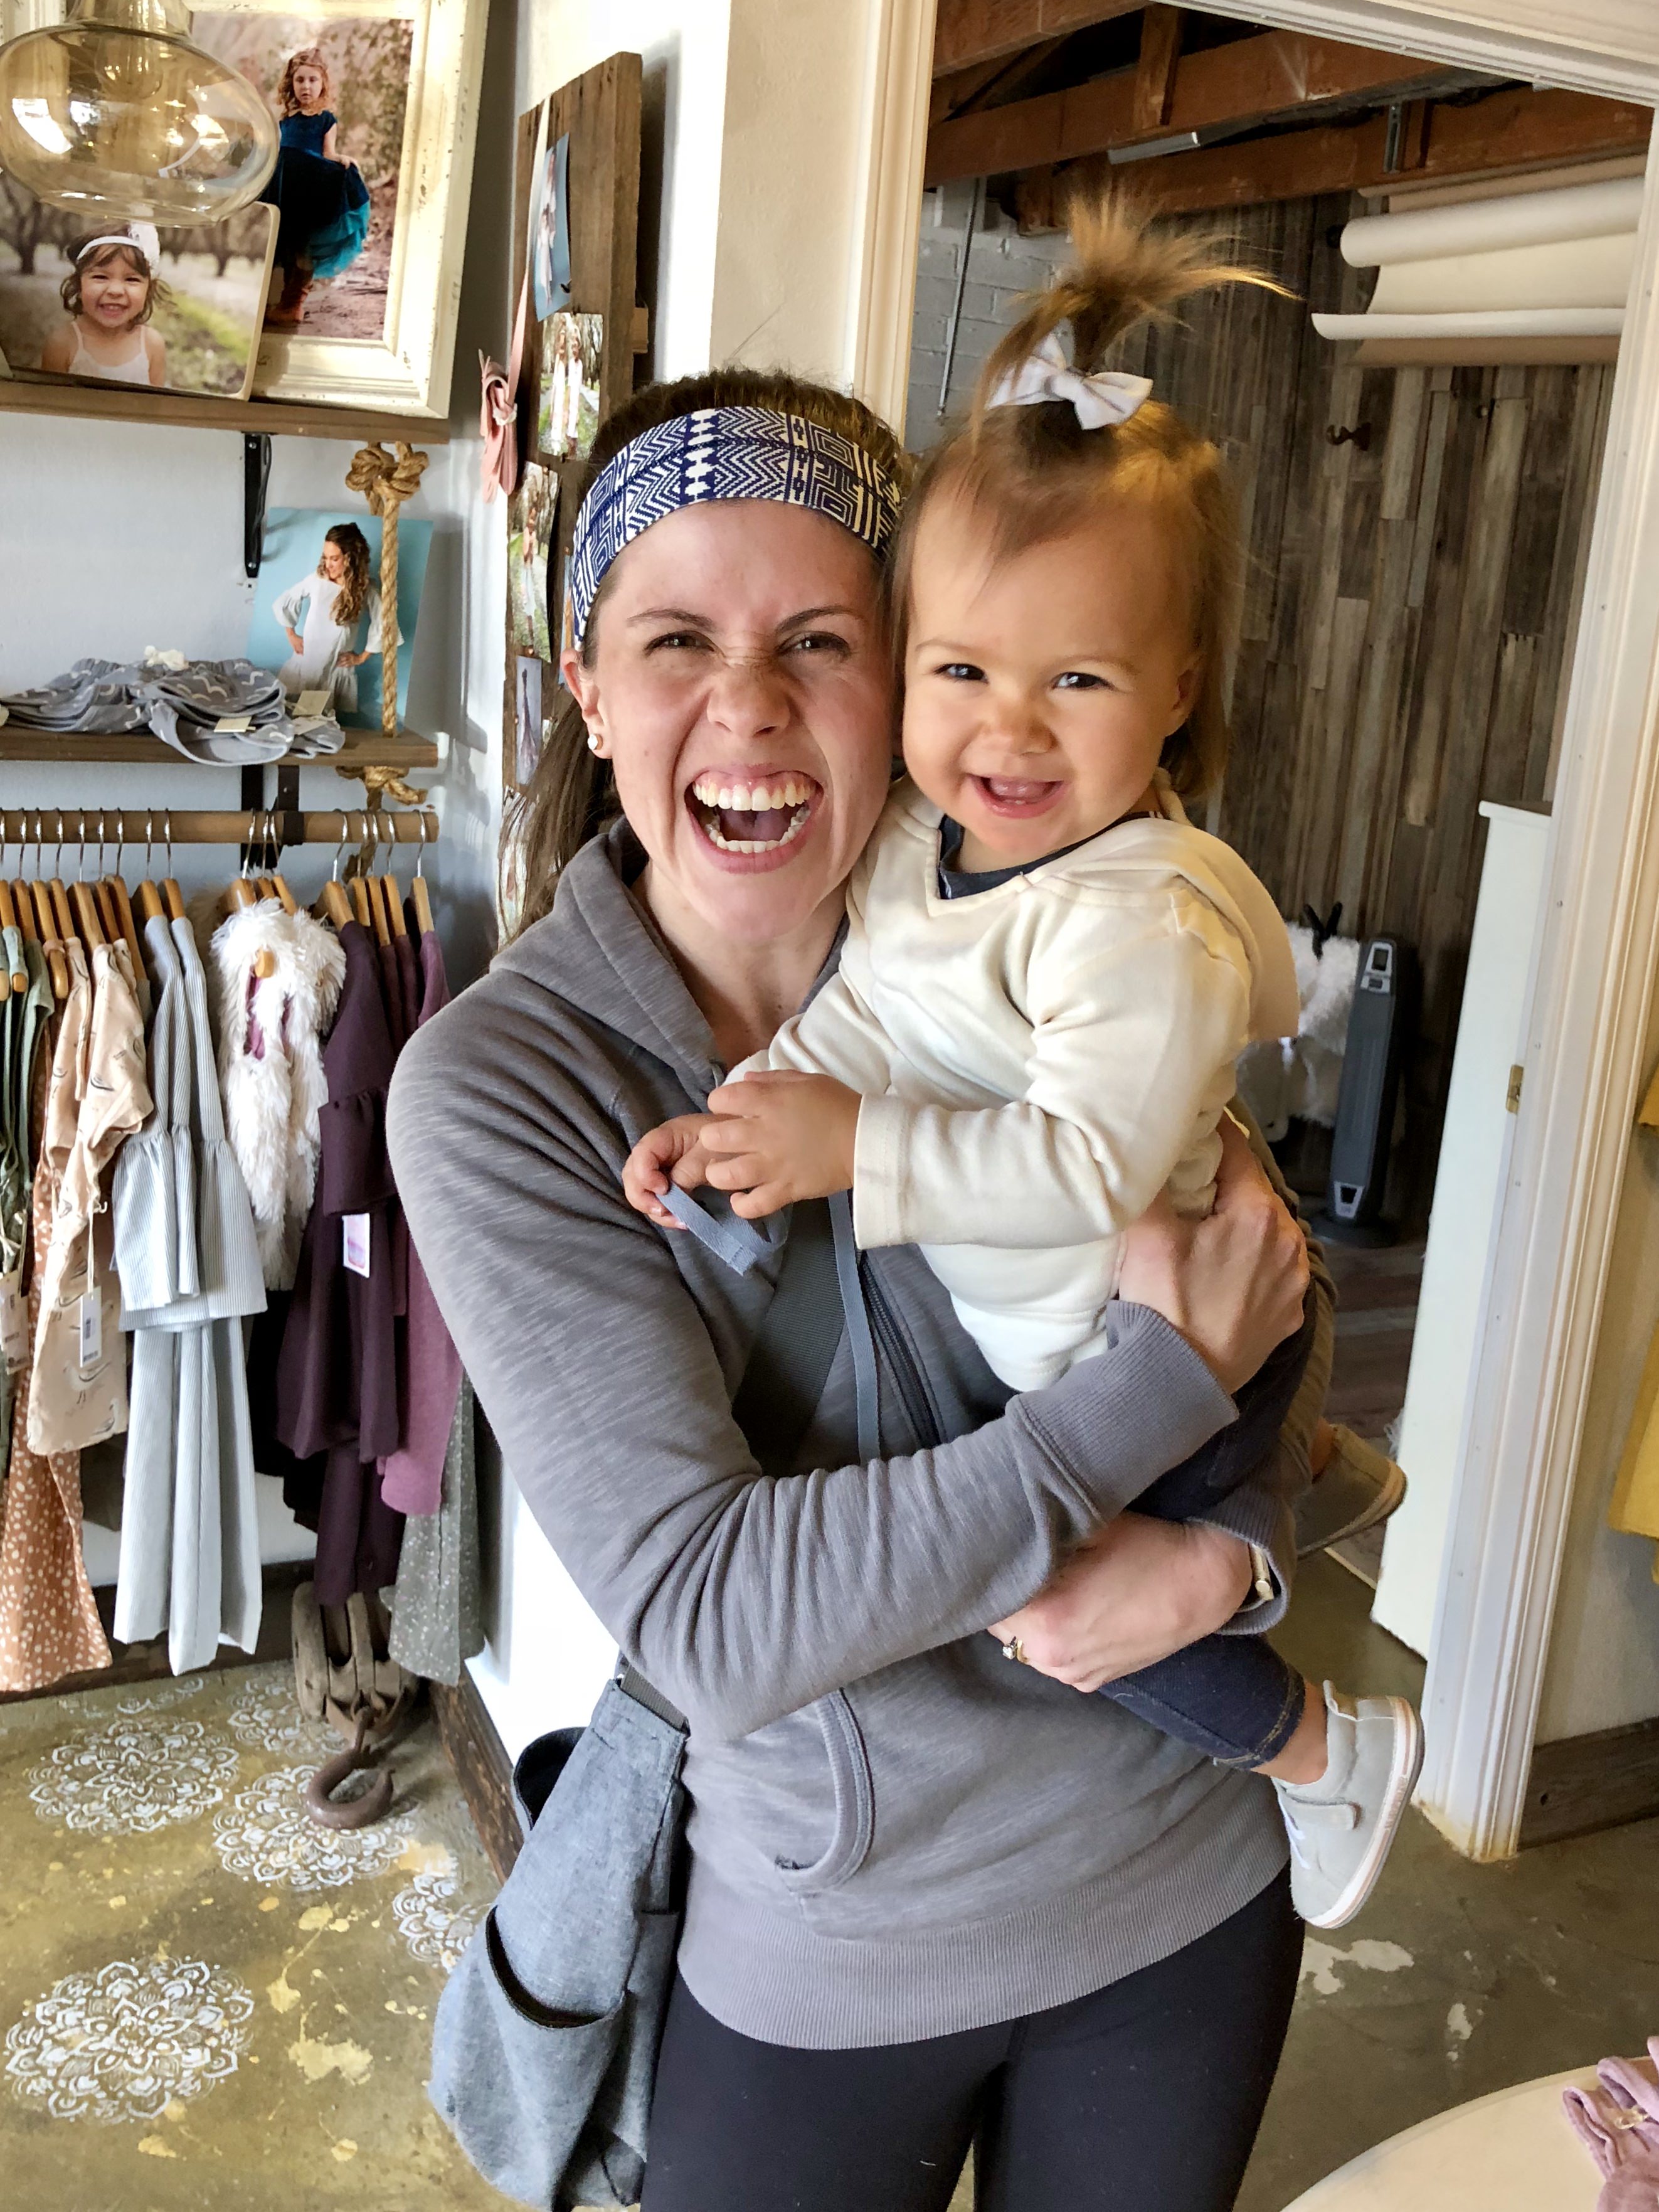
[
  {"x": 1040, "y": 689},
  {"x": 308, "y": 87},
  {"x": 111, "y": 295}
]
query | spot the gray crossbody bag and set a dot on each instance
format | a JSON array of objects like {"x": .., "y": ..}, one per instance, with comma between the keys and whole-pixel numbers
[{"x": 545, "y": 2044}]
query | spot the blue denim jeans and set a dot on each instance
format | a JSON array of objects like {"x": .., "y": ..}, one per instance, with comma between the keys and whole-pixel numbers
[{"x": 1232, "y": 1696}]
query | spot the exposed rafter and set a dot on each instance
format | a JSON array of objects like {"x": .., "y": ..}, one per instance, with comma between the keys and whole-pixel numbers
[
  {"x": 970, "y": 31},
  {"x": 1512, "y": 130},
  {"x": 1225, "y": 87}
]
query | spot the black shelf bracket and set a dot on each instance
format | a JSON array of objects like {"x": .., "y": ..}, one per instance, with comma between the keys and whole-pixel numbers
[{"x": 256, "y": 484}]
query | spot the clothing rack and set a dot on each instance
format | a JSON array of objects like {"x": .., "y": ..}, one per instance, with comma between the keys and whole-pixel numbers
[{"x": 276, "y": 827}]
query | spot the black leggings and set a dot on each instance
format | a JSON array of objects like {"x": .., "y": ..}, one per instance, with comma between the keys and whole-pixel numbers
[{"x": 1145, "y": 2097}]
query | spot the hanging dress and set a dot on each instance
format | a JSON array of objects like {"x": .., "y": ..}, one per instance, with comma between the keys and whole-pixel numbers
[
  {"x": 323, "y": 205},
  {"x": 190, "y": 1270},
  {"x": 79, "y": 1395},
  {"x": 49, "y": 1624},
  {"x": 22, "y": 1026}
]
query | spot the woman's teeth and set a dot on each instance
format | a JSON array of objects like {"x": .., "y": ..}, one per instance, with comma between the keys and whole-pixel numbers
[{"x": 731, "y": 814}]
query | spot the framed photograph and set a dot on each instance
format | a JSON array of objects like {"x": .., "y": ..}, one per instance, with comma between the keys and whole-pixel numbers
[
  {"x": 528, "y": 719},
  {"x": 530, "y": 519},
  {"x": 549, "y": 229},
  {"x": 114, "y": 302},
  {"x": 317, "y": 618},
  {"x": 377, "y": 104}
]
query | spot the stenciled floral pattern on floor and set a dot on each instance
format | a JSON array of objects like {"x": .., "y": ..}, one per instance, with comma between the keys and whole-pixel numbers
[
  {"x": 208, "y": 2003},
  {"x": 137, "y": 1775},
  {"x": 123, "y": 2043}
]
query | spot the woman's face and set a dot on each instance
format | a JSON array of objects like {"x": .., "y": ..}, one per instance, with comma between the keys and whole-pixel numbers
[
  {"x": 113, "y": 293},
  {"x": 308, "y": 85},
  {"x": 334, "y": 563},
  {"x": 742, "y": 688}
]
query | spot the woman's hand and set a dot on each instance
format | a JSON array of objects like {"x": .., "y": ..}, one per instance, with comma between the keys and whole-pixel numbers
[
  {"x": 295, "y": 641},
  {"x": 1133, "y": 1594},
  {"x": 1233, "y": 1284}
]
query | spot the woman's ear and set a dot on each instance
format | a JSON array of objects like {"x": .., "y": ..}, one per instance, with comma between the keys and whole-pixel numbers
[{"x": 582, "y": 683}]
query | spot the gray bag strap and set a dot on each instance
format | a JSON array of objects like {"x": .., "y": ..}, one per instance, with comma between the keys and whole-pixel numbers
[{"x": 788, "y": 1365}]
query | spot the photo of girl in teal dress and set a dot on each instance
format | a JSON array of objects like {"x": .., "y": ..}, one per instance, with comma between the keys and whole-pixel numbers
[{"x": 322, "y": 201}]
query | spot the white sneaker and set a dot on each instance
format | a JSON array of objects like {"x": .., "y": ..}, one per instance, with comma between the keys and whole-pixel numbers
[{"x": 1342, "y": 1826}]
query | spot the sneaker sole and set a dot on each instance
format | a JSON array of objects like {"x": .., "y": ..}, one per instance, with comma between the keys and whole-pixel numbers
[
  {"x": 1402, "y": 1780},
  {"x": 1390, "y": 1497}
]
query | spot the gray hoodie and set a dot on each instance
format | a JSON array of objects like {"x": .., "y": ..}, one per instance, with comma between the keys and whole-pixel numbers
[{"x": 894, "y": 1832}]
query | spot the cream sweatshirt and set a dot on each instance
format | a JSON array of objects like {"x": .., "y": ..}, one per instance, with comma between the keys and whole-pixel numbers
[{"x": 1039, "y": 1059}]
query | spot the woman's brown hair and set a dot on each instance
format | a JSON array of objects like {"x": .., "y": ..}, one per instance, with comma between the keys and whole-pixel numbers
[
  {"x": 572, "y": 795},
  {"x": 303, "y": 58},
  {"x": 359, "y": 579},
  {"x": 1031, "y": 473},
  {"x": 70, "y": 290}
]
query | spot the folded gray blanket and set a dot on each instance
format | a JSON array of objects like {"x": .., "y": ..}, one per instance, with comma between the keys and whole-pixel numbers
[{"x": 184, "y": 707}]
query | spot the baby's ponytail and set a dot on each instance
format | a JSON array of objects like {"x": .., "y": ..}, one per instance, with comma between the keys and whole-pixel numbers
[{"x": 1034, "y": 472}]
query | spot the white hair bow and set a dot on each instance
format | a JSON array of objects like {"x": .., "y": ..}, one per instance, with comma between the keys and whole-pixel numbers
[{"x": 1108, "y": 396}]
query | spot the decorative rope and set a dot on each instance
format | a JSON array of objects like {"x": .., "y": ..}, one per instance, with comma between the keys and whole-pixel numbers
[{"x": 385, "y": 484}]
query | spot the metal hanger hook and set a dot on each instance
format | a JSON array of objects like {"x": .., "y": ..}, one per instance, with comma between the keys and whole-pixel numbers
[{"x": 420, "y": 858}]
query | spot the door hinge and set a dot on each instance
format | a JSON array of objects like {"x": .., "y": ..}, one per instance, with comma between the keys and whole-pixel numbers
[{"x": 1517, "y": 1077}]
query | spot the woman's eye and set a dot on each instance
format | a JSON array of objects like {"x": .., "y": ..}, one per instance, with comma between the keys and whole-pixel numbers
[
  {"x": 1079, "y": 680},
  {"x": 818, "y": 641},
  {"x": 678, "y": 640},
  {"x": 962, "y": 672}
]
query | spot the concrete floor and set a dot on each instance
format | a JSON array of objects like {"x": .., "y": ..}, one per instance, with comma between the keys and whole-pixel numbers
[{"x": 1457, "y": 1980}]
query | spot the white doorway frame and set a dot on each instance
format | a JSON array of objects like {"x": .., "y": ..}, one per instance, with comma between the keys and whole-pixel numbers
[{"x": 1593, "y": 970}]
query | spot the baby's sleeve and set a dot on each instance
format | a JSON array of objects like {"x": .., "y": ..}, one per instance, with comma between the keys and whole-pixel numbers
[{"x": 1137, "y": 1018}]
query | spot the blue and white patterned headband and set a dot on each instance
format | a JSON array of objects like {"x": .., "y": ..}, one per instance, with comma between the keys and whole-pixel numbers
[{"x": 726, "y": 452}]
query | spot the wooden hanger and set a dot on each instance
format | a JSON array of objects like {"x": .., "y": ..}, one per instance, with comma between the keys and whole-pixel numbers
[
  {"x": 285, "y": 897},
  {"x": 63, "y": 915},
  {"x": 149, "y": 902},
  {"x": 174, "y": 899},
  {"x": 109, "y": 920},
  {"x": 335, "y": 903},
  {"x": 8, "y": 982},
  {"x": 362, "y": 912},
  {"x": 126, "y": 926},
  {"x": 422, "y": 906},
  {"x": 394, "y": 905},
  {"x": 86, "y": 914},
  {"x": 49, "y": 938}
]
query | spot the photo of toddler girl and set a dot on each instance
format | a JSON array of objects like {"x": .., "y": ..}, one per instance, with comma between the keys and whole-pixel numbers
[{"x": 109, "y": 295}]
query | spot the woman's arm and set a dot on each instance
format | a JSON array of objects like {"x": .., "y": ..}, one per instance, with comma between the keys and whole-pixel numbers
[{"x": 741, "y": 1597}]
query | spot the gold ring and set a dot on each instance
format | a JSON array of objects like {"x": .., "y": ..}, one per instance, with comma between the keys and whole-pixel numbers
[{"x": 1014, "y": 1649}]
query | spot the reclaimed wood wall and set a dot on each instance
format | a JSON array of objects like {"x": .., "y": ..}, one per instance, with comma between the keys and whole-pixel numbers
[{"x": 1408, "y": 611}]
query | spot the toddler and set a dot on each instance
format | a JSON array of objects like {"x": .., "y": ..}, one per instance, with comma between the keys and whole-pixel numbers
[
  {"x": 110, "y": 293},
  {"x": 1049, "y": 972}
]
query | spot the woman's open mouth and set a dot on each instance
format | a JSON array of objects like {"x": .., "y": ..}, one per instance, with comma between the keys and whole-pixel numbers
[{"x": 760, "y": 815}]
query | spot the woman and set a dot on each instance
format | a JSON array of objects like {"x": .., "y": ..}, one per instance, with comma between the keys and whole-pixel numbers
[
  {"x": 320, "y": 617},
  {"x": 934, "y": 1899}
]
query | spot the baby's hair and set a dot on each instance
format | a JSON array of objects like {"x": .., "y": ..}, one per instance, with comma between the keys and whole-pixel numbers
[
  {"x": 1034, "y": 473},
  {"x": 357, "y": 583},
  {"x": 85, "y": 263},
  {"x": 303, "y": 58}
]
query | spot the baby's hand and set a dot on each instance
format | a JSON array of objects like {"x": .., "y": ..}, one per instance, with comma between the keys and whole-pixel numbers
[
  {"x": 778, "y": 1137},
  {"x": 673, "y": 1150}
]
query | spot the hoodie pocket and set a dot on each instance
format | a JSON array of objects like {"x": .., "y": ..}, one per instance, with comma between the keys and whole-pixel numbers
[{"x": 855, "y": 1803}]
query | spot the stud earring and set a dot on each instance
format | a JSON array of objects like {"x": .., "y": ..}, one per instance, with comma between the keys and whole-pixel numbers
[{"x": 592, "y": 743}]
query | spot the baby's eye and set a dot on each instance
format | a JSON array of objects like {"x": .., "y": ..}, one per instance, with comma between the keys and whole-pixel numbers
[
  {"x": 962, "y": 672},
  {"x": 1079, "y": 679}
]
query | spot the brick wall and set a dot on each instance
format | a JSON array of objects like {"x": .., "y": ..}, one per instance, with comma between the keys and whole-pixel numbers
[{"x": 1001, "y": 265}]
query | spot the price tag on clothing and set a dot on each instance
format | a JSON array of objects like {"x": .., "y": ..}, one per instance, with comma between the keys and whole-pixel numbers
[
  {"x": 228, "y": 725},
  {"x": 356, "y": 1242},
  {"x": 92, "y": 1330},
  {"x": 13, "y": 1320},
  {"x": 311, "y": 703}
]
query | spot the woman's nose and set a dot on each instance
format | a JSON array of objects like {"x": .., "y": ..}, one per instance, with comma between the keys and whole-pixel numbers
[{"x": 748, "y": 697}]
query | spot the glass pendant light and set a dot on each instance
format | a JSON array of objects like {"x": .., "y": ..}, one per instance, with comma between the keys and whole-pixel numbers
[{"x": 116, "y": 112}]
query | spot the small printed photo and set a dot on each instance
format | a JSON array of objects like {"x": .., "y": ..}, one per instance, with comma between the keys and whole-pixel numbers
[
  {"x": 122, "y": 303},
  {"x": 549, "y": 229},
  {"x": 338, "y": 86},
  {"x": 568, "y": 416},
  {"x": 529, "y": 518},
  {"x": 528, "y": 725},
  {"x": 317, "y": 620}
]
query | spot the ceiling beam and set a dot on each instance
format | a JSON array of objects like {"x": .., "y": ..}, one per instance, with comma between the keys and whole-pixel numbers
[
  {"x": 1233, "y": 86},
  {"x": 970, "y": 31},
  {"x": 1155, "y": 71},
  {"x": 1514, "y": 129}
]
